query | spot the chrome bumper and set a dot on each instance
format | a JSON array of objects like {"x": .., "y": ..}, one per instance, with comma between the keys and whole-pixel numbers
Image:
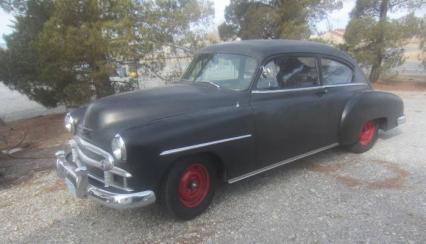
[
  {"x": 77, "y": 182},
  {"x": 401, "y": 120}
]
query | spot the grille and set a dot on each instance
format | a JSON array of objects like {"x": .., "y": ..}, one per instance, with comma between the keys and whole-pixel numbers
[
  {"x": 84, "y": 132},
  {"x": 96, "y": 172},
  {"x": 94, "y": 159},
  {"x": 91, "y": 154}
]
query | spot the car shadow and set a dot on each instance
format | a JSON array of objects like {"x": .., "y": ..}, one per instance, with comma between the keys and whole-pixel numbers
[
  {"x": 385, "y": 135},
  {"x": 282, "y": 173}
]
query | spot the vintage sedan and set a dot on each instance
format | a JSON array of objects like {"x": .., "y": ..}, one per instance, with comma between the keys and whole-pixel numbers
[{"x": 240, "y": 109}]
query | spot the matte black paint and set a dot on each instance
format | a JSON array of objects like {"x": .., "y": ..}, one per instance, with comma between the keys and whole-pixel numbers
[
  {"x": 367, "y": 106},
  {"x": 281, "y": 125}
]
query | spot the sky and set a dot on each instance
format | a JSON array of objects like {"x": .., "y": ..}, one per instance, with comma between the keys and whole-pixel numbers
[
  {"x": 336, "y": 19},
  {"x": 5, "y": 22}
]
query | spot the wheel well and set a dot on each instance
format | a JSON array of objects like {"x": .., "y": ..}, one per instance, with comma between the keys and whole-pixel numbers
[
  {"x": 220, "y": 166},
  {"x": 383, "y": 123},
  {"x": 348, "y": 135}
]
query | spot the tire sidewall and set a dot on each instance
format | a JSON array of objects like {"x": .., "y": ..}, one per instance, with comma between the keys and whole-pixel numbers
[
  {"x": 170, "y": 190},
  {"x": 360, "y": 148}
]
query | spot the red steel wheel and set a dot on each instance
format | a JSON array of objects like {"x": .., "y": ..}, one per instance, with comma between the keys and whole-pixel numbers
[
  {"x": 367, "y": 133},
  {"x": 189, "y": 186},
  {"x": 194, "y": 185}
]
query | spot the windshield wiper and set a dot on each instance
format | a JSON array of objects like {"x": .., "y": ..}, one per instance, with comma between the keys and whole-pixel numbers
[
  {"x": 184, "y": 80},
  {"x": 211, "y": 83}
]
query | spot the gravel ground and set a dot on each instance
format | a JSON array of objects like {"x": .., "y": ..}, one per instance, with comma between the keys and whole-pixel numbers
[{"x": 338, "y": 197}]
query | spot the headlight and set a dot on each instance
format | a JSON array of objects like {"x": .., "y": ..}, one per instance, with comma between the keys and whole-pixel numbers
[
  {"x": 69, "y": 123},
  {"x": 118, "y": 148}
]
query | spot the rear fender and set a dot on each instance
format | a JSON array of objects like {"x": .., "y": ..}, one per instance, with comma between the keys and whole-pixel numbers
[{"x": 369, "y": 105}]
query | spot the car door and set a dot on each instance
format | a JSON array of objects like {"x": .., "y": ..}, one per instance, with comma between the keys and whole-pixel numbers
[{"x": 289, "y": 109}]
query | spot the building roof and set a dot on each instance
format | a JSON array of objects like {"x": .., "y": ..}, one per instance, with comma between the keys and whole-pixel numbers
[{"x": 335, "y": 36}]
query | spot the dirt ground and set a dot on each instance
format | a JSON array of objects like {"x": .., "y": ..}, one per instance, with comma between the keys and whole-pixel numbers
[
  {"x": 400, "y": 86},
  {"x": 332, "y": 197},
  {"x": 38, "y": 138},
  {"x": 39, "y": 132}
]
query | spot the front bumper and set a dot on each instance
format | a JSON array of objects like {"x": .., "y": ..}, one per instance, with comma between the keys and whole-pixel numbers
[{"x": 77, "y": 182}]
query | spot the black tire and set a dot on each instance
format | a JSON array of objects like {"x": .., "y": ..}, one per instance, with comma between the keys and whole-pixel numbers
[
  {"x": 362, "y": 146},
  {"x": 171, "y": 197}
]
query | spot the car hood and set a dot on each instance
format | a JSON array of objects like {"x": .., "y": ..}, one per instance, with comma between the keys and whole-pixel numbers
[{"x": 110, "y": 115}]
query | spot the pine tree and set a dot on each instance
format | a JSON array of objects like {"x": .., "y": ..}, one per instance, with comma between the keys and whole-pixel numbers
[
  {"x": 374, "y": 39},
  {"x": 65, "y": 51},
  {"x": 274, "y": 18}
]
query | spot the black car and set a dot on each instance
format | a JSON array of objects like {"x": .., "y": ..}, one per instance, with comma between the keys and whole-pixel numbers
[{"x": 240, "y": 109}]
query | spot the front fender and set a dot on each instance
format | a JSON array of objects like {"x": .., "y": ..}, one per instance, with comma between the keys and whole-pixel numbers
[
  {"x": 78, "y": 114},
  {"x": 369, "y": 105},
  {"x": 146, "y": 144}
]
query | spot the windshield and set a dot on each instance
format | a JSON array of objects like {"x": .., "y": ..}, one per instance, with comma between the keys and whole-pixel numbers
[{"x": 230, "y": 71}]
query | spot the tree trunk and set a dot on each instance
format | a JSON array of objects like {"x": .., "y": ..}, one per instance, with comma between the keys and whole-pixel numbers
[
  {"x": 375, "y": 71},
  {"x": 100, "y": 78},
  {"x": 376, "y": 68},
  {"x": 103, "y": 86}
]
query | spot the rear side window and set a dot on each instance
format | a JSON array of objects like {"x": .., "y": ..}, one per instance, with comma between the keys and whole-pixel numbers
[
  {"x": 335, "y": 73},
  {"x": 289, "y": 72}
]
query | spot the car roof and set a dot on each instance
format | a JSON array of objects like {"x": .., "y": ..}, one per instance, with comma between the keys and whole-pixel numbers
[{"x": 261, "y": 49}]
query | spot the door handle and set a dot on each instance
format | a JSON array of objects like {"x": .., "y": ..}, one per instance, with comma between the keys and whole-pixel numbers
[{"x": 322, "y": 92}]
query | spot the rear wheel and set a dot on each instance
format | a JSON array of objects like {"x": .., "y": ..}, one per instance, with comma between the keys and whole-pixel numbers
[
  {"x": 189, "y": 187},
  {"x": 366, "y": 138}
]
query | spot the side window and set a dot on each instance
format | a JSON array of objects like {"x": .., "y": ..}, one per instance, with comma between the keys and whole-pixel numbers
[
  {"x": 289, "y": 72},
  {"x": 334, "y": 72}
]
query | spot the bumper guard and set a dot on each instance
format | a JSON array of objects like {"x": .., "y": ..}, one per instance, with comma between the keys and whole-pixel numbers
[{"x": 77, "y": 182}]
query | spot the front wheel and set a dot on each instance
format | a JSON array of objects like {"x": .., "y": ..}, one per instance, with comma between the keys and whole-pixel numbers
[
  {"x": 366, "y": 138},
  {"x": 189, "y": 187}
]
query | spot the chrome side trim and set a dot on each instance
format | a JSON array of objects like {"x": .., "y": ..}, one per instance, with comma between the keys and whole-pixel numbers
[
  {"x": 401, "y": 120},
  {"x": 288, "y": 90},
  {"x": 258, "y": 171},
  {"x": 176, "y": 150},
  {"x": 307, "y": 88},
  {"x": 349, "y": 84}
]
